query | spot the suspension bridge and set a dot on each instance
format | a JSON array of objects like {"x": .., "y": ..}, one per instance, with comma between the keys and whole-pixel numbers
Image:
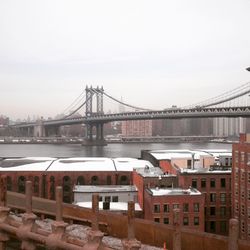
[{"x": 234, "y": 103}]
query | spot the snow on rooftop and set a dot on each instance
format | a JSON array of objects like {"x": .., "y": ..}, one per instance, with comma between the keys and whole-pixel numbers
[
  {"x": 26, "y": 164},
  {"x": 129, "y": 164},
  {"x": 205, "y": 170},
  {"x": 187, "y": 154},
  {"x": 114, "y": 206},
  {"x": 104, "y": 188},
  {"x": 174, "y": 191},
  {"x": 83, "y": 164}
]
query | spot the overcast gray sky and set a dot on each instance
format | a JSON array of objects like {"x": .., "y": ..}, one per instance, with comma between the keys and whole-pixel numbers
[{"x": 152, "y": 53}]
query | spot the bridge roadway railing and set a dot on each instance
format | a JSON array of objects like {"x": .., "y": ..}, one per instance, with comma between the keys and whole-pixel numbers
[{"x": 243, "y": 111}]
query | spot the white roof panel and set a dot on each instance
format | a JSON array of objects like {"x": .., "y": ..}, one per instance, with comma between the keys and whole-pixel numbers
[
  {"x": 83, "y": 164},
  {"x": 26, "y": 164},
  {"x": 129, "y": 164}
]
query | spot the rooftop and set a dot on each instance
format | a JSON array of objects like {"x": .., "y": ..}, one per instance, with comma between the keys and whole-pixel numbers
[
  {"x": 188, "y": 154},
  {"x": 152, "y": 172},
  {"x": 72, "y": 164},
  {"x": 113, "y": 206},
  {"x": 104, "y": 188},
  {"x": 173, "y": 191}
]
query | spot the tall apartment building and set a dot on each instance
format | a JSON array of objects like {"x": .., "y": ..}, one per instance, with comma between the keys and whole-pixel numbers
[
  {"x": 224, "y": 126},
  {"x": 137, "y": 128},
  {"x": 241, "y": 184}
]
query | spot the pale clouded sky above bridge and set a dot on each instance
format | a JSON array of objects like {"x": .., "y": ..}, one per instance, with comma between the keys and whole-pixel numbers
[{"x": 152, "y": 53}]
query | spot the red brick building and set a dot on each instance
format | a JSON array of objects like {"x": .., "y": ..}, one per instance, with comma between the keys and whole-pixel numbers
[
  {"x": 151, "y": 177},
  {"x": 241, "y": 185},
  {"x": 216, "y": 186},
  {"x": 161, "y": 202},
  {"x": 47, "y": 173}
]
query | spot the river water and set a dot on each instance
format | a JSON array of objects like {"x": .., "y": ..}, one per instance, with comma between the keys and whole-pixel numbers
[{"x": 111, "y": 150}]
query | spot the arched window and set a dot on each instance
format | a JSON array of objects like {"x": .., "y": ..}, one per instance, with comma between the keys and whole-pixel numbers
[
  {"x": 124, "y": 180},
  {"x": 36, "y": 185},
  {"x": 9, "y": 183},
  {"x": 109, "y": 180},
  {"x": 21, "y": 184},
  {"x": 66, "y": 189},
  {"x": 80, "y": 180},
  {"x": 94, "y": 180},
  {"x": 52, "y": 187}
]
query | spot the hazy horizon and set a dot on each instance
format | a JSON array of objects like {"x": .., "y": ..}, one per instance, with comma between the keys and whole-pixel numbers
[{"x": 153, "y": 54}]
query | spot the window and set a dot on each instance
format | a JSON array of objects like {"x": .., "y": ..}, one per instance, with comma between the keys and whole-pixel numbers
[
  {"x": 100, "y": 198},
  {"x": 223, "y": 197},
  {"x": 222, "y": 182},
  {"x": 223, "y": 226},
  {"x": 166, "y": 220},
  {"x": 36, "y": 185},
  {"x": 196, "y": 207},
  {"x": 9, "y": 183},
  {"x": 212, "y": 226},
  {"x": 185, "y": 207},
  {"x": 203, "y": 183},
  {"x": 166, "y": 208},
  {"x": 212, "y": 183},
  {"x": 156, "y": 208},
  {"x": 114, "y": 198},
  {"x": 52, "y": 188},
  {"x": 21, "y": 184},
  {"x": 194, "y": 183},
  {"x": 107, "y": 198},
  {"x": 80, "y": 180},
  {"x": 176, "y": 206},
  {"x": 94, "y": 180},
  {"x": 189, "y": 163},
  {"x": 124, "y": 180},
  {"x": 212, "y": 211},
  {"x": 223, "y": 211},
  {"x": 109, "y": 180},
  {"x": 185, "y": 221},
  {"x": 213, "y": 197},
  {"x": 196, "y": 221},
  {"x": 157, "y": 220}
]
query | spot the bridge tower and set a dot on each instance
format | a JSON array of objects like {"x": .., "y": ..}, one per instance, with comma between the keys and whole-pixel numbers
[{"x": 92, "y": 93}]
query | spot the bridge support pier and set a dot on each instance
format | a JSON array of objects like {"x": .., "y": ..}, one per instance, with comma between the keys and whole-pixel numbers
[{"x": 99, "y": 138}]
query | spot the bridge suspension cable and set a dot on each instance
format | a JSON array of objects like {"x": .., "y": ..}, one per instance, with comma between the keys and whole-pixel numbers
[
  {"x": 123, "y": 103},
  {"x": 73, "y": 112},
  {"x": 75, "y": 102},
  {"x": 225, "y": 97}
]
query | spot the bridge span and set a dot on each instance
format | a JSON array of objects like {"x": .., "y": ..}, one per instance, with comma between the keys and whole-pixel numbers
[{"x": 97, "y": 118}]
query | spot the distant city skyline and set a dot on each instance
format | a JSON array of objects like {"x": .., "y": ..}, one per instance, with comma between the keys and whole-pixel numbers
[{"x": 153, "y": 54}]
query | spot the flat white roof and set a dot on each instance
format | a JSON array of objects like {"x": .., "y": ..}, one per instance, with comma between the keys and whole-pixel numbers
[
  {"x": 26, "y": 164},
  {"x": 83, "y": 164},
  {"x": 114, "y": 206},
  {"x": 205, "y": 171},
  {"x": 186, "y": 154},
  {"x": 104, "y": 188},
  {"x": 129, "y": 164},
  {"x": 173, "y": 191}
]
